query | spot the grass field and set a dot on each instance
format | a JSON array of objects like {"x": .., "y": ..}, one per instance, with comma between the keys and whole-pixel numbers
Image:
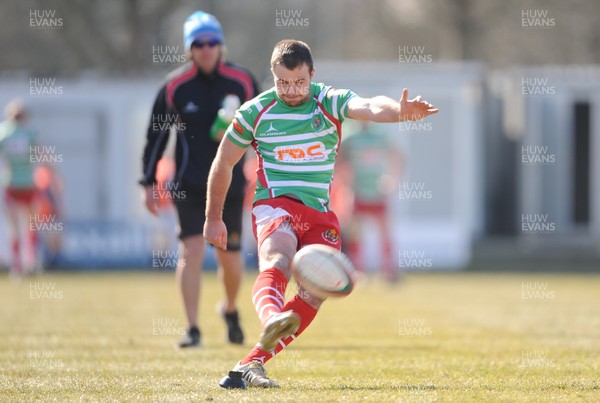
[{"x": 435, "y": 337}]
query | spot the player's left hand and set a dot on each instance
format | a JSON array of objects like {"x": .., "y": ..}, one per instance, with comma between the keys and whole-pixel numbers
[{"x": 414, "y": 109}]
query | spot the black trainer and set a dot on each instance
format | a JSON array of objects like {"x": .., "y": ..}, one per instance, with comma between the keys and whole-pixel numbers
[
  {"x": 191, "y": 338},
  {"x": 233, "y": 381},
  {"x": 234, "y": 331}
]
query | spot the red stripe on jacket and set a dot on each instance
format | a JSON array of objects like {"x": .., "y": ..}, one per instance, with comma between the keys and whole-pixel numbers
[{"x": 176, "y": 82}]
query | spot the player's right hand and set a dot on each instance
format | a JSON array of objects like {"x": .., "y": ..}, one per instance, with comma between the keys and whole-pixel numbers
[
  {"x": 149, "y": 200},
  {"x": 215, "y": 233}
]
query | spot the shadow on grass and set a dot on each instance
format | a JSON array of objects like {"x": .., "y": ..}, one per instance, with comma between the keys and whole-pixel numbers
[
  {"x": 364, "y": 347},
  {"x": 376, "y": 387}
]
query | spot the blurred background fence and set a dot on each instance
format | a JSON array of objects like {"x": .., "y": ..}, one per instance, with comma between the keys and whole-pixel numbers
[{"x": 505, "y": 176}]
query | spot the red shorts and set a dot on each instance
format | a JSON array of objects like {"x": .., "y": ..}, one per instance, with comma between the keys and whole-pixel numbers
[
  {"x": 370, "y": 207},
  {"x": 20, "y": 195},
  {"x": 308, "y": 224}
]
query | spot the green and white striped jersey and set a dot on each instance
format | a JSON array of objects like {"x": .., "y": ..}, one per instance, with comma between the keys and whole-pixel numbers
[
  {"x": 296, "y": 146},
  {"x": 16, "y": 142}
]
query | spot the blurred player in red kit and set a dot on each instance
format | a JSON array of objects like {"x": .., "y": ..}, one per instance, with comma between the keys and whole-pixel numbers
[
  {"x": 49, "y": 204},
  {"x": 373, "y": 166},
  {"x": 16, "y": 142}
]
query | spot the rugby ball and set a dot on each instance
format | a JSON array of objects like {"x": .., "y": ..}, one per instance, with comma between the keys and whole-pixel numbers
[{"x": 323, "y": 271}]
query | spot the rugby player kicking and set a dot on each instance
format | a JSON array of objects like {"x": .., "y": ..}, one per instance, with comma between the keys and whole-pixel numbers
[{"x": 295, "y": 129}]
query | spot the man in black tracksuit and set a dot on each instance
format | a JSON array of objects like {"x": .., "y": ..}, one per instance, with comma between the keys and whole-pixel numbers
[{"x": 198, "y": 101}]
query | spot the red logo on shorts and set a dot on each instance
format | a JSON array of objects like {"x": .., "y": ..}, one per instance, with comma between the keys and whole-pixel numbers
[{"x": 331, "y": 235}]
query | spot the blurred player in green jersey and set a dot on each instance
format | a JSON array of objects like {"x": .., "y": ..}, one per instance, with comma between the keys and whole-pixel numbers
[{"x": 16, "y": 142}]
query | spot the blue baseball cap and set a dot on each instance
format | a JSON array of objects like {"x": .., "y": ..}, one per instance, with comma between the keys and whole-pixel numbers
[{"x": 201, "y": 26}]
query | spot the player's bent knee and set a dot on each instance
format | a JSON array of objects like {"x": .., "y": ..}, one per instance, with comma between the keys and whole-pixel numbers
[
  {"x": 276, "y": 260},
  {"x": 270, "y": 258},
  {"x": 277, "y": 251}
]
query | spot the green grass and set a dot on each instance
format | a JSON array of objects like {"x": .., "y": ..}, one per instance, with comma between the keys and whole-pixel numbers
[{"x": 435, "y": 337}]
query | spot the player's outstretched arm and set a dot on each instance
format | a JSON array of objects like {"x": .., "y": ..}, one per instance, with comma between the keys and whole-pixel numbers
[
  {"x": 384, "y": 109},
  {"x": 219, "y": 180}
]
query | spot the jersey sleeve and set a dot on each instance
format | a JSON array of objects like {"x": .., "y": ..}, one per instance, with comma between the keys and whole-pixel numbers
[
  {"x": 240, "y": 130},
  {"x": 156, "y": 141},
  {"x": 337, "y": 102}
]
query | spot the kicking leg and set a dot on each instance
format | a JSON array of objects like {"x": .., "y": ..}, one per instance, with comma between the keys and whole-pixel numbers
[{"x": 268, "y": 295}]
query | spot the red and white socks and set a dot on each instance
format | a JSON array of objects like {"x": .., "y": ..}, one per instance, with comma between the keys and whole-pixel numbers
[
  {"x": 306, "y": 312},
  {"x": 268, "y": 293}
]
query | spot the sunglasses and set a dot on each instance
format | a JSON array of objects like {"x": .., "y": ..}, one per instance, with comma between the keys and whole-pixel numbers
[{"x": 211, "y": 44}]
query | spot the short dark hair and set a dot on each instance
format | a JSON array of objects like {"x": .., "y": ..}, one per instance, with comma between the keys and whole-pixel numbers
[{"x": 291, "y": 54}]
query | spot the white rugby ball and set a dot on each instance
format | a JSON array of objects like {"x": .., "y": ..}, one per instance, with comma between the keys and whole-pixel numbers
[{"x": 324, "y": 271}]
